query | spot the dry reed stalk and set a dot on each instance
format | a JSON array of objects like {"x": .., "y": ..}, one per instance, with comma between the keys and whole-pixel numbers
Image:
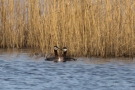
[{"x": 86, "y": 27}]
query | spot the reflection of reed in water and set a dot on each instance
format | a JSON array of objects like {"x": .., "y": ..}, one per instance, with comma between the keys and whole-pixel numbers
[
  {"x": 86, "y": 27},
  {"x": 119, "y": 61}
]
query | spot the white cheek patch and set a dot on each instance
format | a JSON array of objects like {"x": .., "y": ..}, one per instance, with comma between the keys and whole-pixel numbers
[
  {"x": 64, "y": 50},
  {"x": 55, "y": 48}
]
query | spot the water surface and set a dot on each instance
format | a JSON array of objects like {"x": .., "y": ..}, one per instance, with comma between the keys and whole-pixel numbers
[{"x": 20, "y": 71}]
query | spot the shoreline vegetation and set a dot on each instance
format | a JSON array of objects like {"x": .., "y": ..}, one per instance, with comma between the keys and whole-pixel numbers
[{"x": 86, "y": 27}]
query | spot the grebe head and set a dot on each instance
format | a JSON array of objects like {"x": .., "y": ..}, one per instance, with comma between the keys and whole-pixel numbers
[
  {"x": 55, "y": 51},
  {"x": 64, "y": 51},
  {"x": 56, "y": 48}
]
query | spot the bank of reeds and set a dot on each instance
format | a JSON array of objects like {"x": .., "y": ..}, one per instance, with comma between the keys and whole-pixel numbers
[{"x": 85, "y": 27}]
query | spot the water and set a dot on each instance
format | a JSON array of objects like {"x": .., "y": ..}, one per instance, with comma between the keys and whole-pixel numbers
[{"x": 24, "y": 72}]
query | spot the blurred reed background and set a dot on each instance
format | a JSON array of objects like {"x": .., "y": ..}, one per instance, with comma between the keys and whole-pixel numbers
[{"x": 86, "y": 27}]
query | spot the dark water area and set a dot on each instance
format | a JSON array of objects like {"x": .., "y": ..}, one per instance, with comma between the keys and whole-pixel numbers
[{"x": 21, "y": 71}]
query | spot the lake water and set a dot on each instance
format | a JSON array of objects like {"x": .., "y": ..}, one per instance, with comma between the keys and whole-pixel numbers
[{"x": 20, "y": 71}]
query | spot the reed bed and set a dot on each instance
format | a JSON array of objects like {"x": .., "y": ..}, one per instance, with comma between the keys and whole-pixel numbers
[{"x": 86, "y": 27}]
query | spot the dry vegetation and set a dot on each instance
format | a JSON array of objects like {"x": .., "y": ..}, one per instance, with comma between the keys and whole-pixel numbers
[{"x": 86, "y": 27}]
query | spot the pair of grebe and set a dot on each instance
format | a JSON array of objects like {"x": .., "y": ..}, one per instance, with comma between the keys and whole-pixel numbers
[{"x": 58, "y": 58}]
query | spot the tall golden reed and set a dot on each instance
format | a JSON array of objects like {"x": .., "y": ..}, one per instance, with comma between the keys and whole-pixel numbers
[{"x": 86, "y": 27}]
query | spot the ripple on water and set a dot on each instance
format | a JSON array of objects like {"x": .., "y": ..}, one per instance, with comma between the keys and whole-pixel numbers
[{"x": 23, "y": 72}]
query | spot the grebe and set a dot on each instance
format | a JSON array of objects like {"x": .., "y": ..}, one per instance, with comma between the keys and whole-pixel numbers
[
  {"x": 62, "y": 58},
  {"x": 65, "y": 57},
  {"x": 55, "y": 53}
]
